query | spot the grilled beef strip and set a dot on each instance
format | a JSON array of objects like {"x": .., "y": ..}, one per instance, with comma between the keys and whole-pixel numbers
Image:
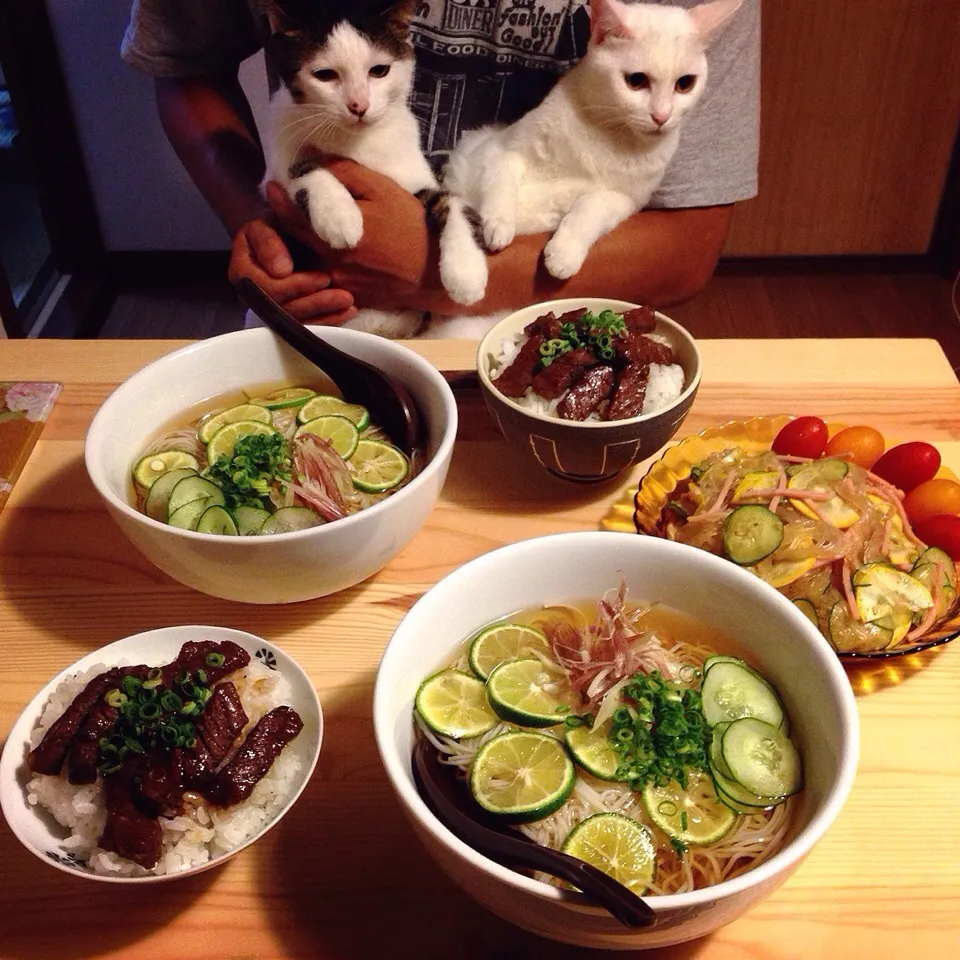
[
  {"x": 515, "y": 378},
  {"x": 221, "y": 722},
  {"x": 193, "y": 656},
  {"x": 640, "y": 319},
  {"x": 48, "y": 756},
  {"x": 629, "y": 393},
  {"x": 587, "y": 394},
  {"x": 552, "y": 381},
  {"x": 84, "y": 753},
  {"x": 128, "y": 831},
  {"x": 235, "y": 781}
]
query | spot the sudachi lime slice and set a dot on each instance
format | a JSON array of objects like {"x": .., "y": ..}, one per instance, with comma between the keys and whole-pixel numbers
[
  {"x": 618, "y": 845},
  {"x": 592, "y": 750},
  {"x": 693, "y": 814},
  {"x": 243, "y": 411},
  {"x": 287, "y": 397},
  {"x": 529, "y": 693},
  {"x": 153, "y": 466},
  {"x": 522, "y": 775},
  {"x": 225, "y": 439},
  {"x": 454, "y": 704},
  {"x": 339, "y": 432},
  {"x": 323, "y": 405},
  {"x": 504, "y": 641},
  {"x": 377, "y": 466}
]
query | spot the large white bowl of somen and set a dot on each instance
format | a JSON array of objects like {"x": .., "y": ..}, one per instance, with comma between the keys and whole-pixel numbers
[
  {"x": 224, "y": 373},
  {"x": 712, "y": 607}
]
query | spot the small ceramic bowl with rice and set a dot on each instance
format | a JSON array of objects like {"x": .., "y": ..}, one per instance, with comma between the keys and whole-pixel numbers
[
  {"x": 160, "y": 755},
  {"x": 588, "y": 387}
]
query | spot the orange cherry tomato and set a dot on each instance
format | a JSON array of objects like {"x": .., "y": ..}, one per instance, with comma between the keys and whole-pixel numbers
[
  {"x": 932, "y": 498},
  {"x": 942, "y": 531},
  {"x": 860, "y": 445},
  {"x": 907, "y": 465},
  {"x": 802, "y": 437}
]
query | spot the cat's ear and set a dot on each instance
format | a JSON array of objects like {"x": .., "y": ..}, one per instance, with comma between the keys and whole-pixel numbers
[
  {"x": 285, "y": 15},
  {"x": 710, "y": 17},
  {"x": 608, "y": 19},
  {"x": 397, "y": 10}
]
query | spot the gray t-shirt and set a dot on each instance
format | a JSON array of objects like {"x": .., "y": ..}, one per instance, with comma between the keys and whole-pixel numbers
[{"x": 482, "y": 61}]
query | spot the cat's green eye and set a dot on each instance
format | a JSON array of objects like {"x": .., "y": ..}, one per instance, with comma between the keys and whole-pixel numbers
[
  {"x": 686, "y": 83},
  {"x": 380, "y": 70},
  {"x": 325, "y": 76},
  {"x": 637, "y": 81}
]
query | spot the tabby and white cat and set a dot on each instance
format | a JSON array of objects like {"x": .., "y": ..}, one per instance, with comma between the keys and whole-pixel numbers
[
  {"x": 345, "y": 80},
  {"x": 593, "y": 152}
]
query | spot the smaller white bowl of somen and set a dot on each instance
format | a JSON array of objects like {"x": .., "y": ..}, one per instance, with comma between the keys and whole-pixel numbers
[
  {"x": 682, "y": 605},
  {"x": 349, "y": 533},
  {"x": 67, "y": 825}
]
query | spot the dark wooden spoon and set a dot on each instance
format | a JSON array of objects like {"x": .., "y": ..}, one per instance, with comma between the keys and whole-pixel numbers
[
  {"x": 511, "y": 849},
  {"x": 388, "y": 400}
]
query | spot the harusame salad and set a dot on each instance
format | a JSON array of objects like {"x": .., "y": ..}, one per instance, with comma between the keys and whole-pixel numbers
[
  {"x": 275, "y": 464},
  {"x": 829, "y": 534}
]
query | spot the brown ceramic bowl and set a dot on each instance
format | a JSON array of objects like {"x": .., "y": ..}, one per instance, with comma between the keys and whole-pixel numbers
[{"x": 591, "y": 450}]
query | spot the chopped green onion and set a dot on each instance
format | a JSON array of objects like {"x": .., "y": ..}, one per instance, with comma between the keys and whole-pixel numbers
[
  {"x": 171, "y": 702},
  {"x": 215, "y": 659},
  {"x": 150, "y": 710},
  {"x": 115, "y": 698}
]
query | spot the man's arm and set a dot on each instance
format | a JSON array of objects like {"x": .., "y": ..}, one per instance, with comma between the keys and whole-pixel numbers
[
  {"x": 210, "y": 126},
  {"x": 658, "y": 257}
]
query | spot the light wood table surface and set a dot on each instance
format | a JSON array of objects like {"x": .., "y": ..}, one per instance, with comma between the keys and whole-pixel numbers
[{"x": 342, "y": 876}]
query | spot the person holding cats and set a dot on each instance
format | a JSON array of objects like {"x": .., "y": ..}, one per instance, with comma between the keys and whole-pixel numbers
[{"x": 474, "y": 65}]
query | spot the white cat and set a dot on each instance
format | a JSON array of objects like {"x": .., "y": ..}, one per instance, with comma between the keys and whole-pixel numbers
[
  {"x": 345, "y": 82},
  {"x": 592, "y": 153}
]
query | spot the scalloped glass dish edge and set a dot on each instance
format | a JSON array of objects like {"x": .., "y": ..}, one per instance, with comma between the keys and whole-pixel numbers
[{"x": 638, "y": 509}]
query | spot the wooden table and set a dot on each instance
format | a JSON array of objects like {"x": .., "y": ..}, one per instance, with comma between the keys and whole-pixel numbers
[{"x": 342, "y": 875}]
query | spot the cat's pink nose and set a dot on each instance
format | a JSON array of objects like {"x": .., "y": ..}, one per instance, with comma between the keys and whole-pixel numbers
[
  {"x": 358, "y": 109},
  {"x": 659, "y": 118}
]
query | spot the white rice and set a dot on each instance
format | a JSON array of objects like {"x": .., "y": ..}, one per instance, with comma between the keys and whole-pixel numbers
[
  {"x": 664, "y": 381},
  {"x": 202, "y": 832}
]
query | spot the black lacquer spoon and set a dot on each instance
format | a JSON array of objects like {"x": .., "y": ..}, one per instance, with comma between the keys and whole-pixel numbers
[
  {"x": 388, "y": 400},
  {"x": 511, "y": 849}
]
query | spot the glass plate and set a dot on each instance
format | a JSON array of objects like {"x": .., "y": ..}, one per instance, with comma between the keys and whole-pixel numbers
[{"x": 638, "y": 510}]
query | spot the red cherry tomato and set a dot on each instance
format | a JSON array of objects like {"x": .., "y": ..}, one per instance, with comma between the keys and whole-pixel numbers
[
  {"x": 941, "y": 531},
  {"x": 908, "y": 464},
  {"x": 860, "y": 445},
  {"x": 802, "y": 437},
  {"x": 932, "y": 498}
]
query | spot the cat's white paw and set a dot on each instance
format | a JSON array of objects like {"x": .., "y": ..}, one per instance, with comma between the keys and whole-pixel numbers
[
  {"x": 562, "y": 257},
  {"x": 498, "y": 232},
  {"x": 465, "y": 277},
  {"x": 340, "y": 226}
]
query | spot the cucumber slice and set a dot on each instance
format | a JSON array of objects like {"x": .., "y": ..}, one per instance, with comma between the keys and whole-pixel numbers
[
  {"x": 823, "y": 475},
  {"x": 807, "y": 608},
  {"x": 889, "y": 597},
  {"x": 739, "y": 799},
  {"x": 250, "y": 520},
  {"x": 761, "y": 759},
  {"x": 188, "y": 516},
  {"x": 716, "y": 752},
  {"x": 193, "y": 488},
  {"x": 933, "y": 556},
  {"x": 718, "y": 658},
  {"x": 750, "y": 533},
  {"x": 215, "y": 519},
  {"x": 290, "y": 519},
  {"x": 155, "y": 505},
  {"x": 732, "y": 690},
  {"x": 848, "y": 634}
]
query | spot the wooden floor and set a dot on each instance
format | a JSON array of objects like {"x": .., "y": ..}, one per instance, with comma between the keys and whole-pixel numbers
[{"x": 742, "y": 300}]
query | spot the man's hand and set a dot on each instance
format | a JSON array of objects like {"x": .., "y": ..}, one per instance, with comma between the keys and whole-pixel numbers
[
  {"x": 393, "y": 265},
  {"x": 260, "y": 254}
]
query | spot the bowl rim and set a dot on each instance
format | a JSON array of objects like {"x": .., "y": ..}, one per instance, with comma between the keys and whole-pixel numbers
[
  {"x": 94, "y": 440},
  {"x": 777, "y": 865},
  {"x": 568, "y": 303},
  {"x": 19, "y": 733}
]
